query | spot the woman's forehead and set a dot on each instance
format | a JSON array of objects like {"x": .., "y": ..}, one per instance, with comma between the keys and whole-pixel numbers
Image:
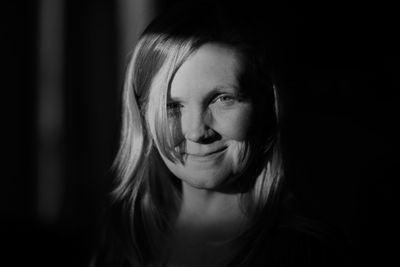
[{"x": 211, "y": 67}]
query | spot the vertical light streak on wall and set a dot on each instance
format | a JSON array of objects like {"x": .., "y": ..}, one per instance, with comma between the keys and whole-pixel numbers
[
  {"x": 50, "y": 110},
  {"x": 133, "y": 16}
]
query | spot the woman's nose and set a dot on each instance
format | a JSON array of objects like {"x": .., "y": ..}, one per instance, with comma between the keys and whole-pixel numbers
[{"x": 195, "y": 125}]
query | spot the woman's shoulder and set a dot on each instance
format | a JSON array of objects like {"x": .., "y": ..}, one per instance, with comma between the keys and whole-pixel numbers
[
  {"x": 109, "y": 246},
  {"x": 306, "y": 243}
]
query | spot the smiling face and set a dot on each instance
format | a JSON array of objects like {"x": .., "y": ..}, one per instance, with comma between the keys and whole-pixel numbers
[{"x": 209, "y": 116}]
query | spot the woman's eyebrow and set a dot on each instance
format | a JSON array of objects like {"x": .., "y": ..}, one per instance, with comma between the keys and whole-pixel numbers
[
  {"x": 219, "y": 89},
  {"x": 228, "y": 87},
  {"x": 231, "y": 89}
]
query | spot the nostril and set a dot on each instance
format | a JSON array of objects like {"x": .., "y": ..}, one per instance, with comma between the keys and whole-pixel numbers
[
  {"x": 205, "y": 135},
  {"x": 198, "y": 126},
  {"x": 196, "y": 134}
]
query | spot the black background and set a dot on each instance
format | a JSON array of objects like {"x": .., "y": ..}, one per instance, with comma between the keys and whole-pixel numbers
[{"x": 337, "y": 65}]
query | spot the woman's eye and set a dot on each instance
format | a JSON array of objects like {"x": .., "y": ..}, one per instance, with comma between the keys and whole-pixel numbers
[
  {"x": 173, "y": 108},
  {"x": 225, "y": 99}
]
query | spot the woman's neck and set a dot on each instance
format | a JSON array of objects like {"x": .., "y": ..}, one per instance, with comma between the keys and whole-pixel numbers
[
  {"x": 211, "y": 213},
  {"x": 206, "y": 222}
]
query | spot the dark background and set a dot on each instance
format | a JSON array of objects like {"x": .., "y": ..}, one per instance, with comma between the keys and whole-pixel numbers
[{"x": 336, "y": 60}]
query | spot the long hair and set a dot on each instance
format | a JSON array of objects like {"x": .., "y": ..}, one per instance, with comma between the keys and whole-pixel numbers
[{"x": 145, "y": 195}]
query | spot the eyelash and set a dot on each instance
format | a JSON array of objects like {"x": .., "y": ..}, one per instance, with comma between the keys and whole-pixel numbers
[
  {"x": 228, "y": 99},
  {"x": 174, "y": 105},
  {"x": 174, "y": 108}
]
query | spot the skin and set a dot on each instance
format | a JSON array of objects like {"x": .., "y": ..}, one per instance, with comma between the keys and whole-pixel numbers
[{"x": 211, "y": 120}]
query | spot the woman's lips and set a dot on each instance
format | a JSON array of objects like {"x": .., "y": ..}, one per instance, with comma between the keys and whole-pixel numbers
[{"x": 207, "y": 155}]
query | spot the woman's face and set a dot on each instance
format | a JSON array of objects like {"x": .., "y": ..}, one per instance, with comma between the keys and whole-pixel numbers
[{"x": 210, "y": 117}]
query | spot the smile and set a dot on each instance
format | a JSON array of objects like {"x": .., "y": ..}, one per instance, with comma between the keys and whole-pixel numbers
[{"x": 206, "y": 155}]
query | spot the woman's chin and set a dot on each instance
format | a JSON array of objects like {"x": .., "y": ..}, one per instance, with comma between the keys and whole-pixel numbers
[{"x": 207, "y": 179}]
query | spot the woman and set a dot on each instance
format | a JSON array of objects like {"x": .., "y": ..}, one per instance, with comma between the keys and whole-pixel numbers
[{"x": 200, "y": 176}]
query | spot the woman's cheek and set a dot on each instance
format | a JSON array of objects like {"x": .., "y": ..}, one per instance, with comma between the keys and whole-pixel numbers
[
  {"x": 239, "y": 154},
  {"x": 234, "y": 124}
]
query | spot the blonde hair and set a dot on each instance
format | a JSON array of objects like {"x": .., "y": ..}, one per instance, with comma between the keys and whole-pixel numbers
[{"x": 145, "y": 194}]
